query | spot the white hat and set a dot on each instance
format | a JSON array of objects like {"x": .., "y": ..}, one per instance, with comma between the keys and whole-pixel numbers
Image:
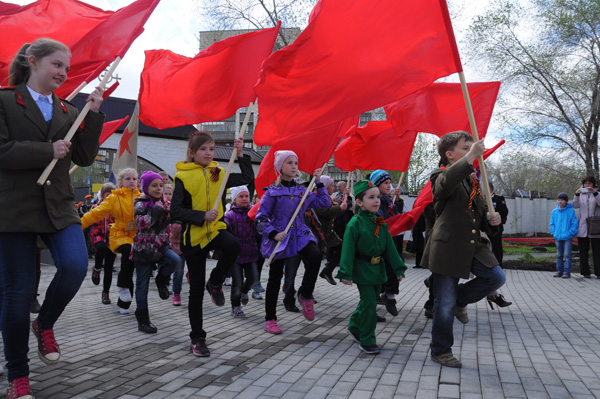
[
  {"x": 235, "y": 191},
  {"x": 280, "y": 157},
  {"x": 326, "y": 180}
]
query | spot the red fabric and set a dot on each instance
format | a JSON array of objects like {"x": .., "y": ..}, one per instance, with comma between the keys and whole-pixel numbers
[
  {"x": 440, "y": 108},
  {"x": 375, "y": 145},
  {"x": 253, "y": 211},
  {"x": 110, "y": 127},
  {"x": 313, "y": 149},
  {"x": 95, "y": 37},
  {"x": 176, "y": 90},
  {"x": 406, "y": 221},
  {"x": 110, "y": 90},
  {"x": 353, "y": 56}
]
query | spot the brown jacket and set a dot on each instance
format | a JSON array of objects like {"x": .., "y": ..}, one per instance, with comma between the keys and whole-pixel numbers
[
  {"x": 25, "y": 150},
  {"x": 456, "y": 236}
]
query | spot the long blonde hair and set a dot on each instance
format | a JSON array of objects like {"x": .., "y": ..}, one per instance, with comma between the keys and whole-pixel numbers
[{"x": 20, "y": 70}]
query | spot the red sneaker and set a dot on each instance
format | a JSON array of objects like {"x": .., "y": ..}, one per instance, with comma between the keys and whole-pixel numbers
[
  {"x": 19, "y": 389},
  {"x": 176, "y": 299},
  {"x": 48, "y": 349},
  {"x": 308, "y": 308}
]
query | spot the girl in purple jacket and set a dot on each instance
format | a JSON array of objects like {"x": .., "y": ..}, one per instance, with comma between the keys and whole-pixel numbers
[
  {"x": 243, "y": 229},
  {"x": 276, "y": 208}
]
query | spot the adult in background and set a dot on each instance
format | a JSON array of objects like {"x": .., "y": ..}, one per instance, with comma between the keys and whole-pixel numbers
[
  {"x": 499, "y": 206},
  {"x": 587, "y": 200}
]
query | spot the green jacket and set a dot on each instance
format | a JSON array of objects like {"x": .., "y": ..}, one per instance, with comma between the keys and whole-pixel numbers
[
  {"x": 360, "y": 238},
  {"x": 25, "y": 150}
]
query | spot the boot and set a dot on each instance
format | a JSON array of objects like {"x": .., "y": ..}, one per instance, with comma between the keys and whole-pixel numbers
[{"x": 144, "y": 325}]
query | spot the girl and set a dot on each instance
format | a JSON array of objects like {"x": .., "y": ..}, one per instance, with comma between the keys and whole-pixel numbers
[
  {"x": 367, "y": 242},
  {"x": 243, "y": 229},
  {"x": 197, "y": 184},
  {"x": 276, "y": 207},
  {"x": 33, "y": 124},
  {"x": 119, "y": 204},
  {"x": 104, "y": 257},
  {"x": 151, "y": 246}
]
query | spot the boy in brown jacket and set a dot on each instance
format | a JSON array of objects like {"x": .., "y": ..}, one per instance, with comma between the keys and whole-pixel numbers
[{"x": 455, "y": 249}]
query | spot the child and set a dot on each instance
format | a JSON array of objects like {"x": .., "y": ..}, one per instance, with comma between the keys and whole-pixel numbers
[
  {"x": 104, "y": 258},
  {"x": 276, "y": 208},
  {"x": 197, "y": 184},
  {"x": 168, "y": 193},
  {"x": 119, "y": 204},
  {"x": 563, "y": 227},
  {"x": 366, "y": 241},
  {"x": 243, "y": 229},
  {"x": 455, "y": 249},
  {"x": 33, "y": 126},
  {"x": 151, "y": 246}
]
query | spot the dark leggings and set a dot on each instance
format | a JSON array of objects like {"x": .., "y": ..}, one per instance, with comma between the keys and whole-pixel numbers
[
  {"x": 125, "y": 277},
  {"x": 311, "y": 256},
  {"x": 105, "y": 258},
  {"x": 240, "y": 286},
  {"x": 584, "y": 248}
]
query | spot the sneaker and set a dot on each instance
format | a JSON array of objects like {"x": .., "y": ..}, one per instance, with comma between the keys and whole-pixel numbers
[
  {"x": 162, "y": 284},
  {"x": 328, "y": 276},
  {"x": 390, "y": 305},
  {"x": 105, "y": 298},
  {"x": 256, "y": 295},
  {"x": 461, "y": 314},
  {"x": 216, "y": 294},
  {"x": 124, "y": 294},
  {"x": 291, "y": 307},
  {"x": 123, "y": 310},
  {"x": 19, "y": 389},
  {"x": 381, "y": 319},
  {"x": 428, "y": 313},
  {"x": 48, "y": 349},
  {"x": 95, "y": 276},
  {"x": 198, "y": 347},
  {"x": 272, "y": 327},
  {"x": 566, "y": 275},
  {"x": 176, "y": 299},
  {"x": 308, "y": 308},
  {"x": 370, "y": 349},
  {"x": 447, "y": 359},
  {"x": 259, "y": 287},
  {"x": 557, "y": 274},
  {"x": 237, "y": 312},
  {"x": 227, "y": 281},
  {"x": 35, "y": 305},
  {"x": 353, "y": 335},
  {"x": 147, "y": 328},
  {"x": 244, "y": 299}
]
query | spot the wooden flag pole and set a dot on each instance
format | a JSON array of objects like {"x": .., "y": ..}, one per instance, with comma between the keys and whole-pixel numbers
[
  {"x": 76, "y": 91},
  {"x": 44, "y": 177},
  {"x": 233, "y": 156},
  {"x": 399, "y": 183},
  {"x": 348, "y": 187},
  {"x": 291, "y": 222},
  {"x": 484, "y": 177}
]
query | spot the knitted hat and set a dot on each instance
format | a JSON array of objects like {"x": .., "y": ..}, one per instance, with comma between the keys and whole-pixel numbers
[
  {"x": 379, "y": 176},
  {"x": 326, "y": 180},
  {"x": 235, "y": 191},
  {"x": 362, "y": 185},
  {"x": 280, "y": 157},
  {"x": 147, "y": 177},
  {"x": 563, "y": 196}
]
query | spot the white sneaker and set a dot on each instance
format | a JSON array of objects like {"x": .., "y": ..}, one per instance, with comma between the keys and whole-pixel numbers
[
  {"x": 123, "y": 310},
  {"x": 227, "y": 281},
  {"x": 124, "y": 294}
]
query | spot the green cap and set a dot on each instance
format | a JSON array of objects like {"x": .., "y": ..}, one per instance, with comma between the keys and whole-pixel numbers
[{"x": 362, "y": 185}]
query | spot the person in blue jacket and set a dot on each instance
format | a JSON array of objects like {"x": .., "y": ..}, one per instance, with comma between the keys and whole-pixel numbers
[{"x": 563, "y": 227}]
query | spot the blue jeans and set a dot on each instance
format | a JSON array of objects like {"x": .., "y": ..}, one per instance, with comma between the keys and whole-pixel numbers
[
  {"x": 143, "y": 270},
  {"x": 563, "y": 248},
  {"x": 448, "y": 294},
  {"x": 17, "y": 287},
  {"x": 178, "y": 276}
]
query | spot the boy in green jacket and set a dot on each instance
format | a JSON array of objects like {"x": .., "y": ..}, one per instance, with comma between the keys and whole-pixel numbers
[{"x": 366, "y": 242}]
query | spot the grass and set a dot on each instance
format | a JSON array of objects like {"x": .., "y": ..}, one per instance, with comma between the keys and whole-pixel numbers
[{"x": 527, "y": 250}]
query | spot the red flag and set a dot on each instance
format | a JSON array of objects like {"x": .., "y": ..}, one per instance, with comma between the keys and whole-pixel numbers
[
  {"x": 354, "y": 56},
  {"x": 313, "y": 149},
  {"x": 440, "y": 108},
  {"x": 110, "y": 90},
  {"x": 375, "y": 145},
  {"x": 110, "y": 127},
  {"x": 176, "y": 90},
  {"x": 95, "y": 37},
  {"x": 406, "y": 221}
]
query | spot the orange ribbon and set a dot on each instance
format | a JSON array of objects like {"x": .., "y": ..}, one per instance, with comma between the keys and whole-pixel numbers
[{"x": 379, "y": 222}]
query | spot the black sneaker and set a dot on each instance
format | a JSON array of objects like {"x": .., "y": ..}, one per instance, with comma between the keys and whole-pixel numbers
[
  {"x": 370, "y": 349},
  {"x": 147, "y": 328},
  {"x": 381, "y": 319},
  {"x": 355, "y": 336},
  {"x": 291, "y": 307},
  {"x": 328, "y": 276},
  {"x": 162, "y": 286},
  {"x": 95, "y": 276},
  {"x": 216, "y": 293},
  {"x": 35, "y": 305},
  {"x": 198, "y": 347},
  {"x": 390, "y": 305},
  {"x": 105, "y": 298}
]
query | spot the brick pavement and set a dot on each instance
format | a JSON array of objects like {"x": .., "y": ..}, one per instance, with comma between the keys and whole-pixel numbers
[{"x": 546, "y": 345}]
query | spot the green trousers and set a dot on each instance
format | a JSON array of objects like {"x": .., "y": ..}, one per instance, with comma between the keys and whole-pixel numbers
[{"x": 364, "y": 319}]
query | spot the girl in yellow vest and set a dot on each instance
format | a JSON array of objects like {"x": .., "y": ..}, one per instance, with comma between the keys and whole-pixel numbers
[
  {"x": 197, "y": 183},
  {"x": 119, "y": 204}
]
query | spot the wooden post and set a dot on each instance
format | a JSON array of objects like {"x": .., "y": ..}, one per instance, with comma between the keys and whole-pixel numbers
[
  {"x": 76, "y": 91},
  {"x": 233, "y": 156},
  {"x": 42, "y": 180},
  {"x": 484, "y": 179},
  {"x": 399, "y": 183},
  {"x": 347, "y": 187}
]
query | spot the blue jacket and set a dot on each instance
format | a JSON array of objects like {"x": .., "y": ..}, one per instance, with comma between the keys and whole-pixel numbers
[{"x": 563, "y": 223}]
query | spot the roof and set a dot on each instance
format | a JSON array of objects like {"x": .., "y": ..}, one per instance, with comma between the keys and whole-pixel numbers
[{"x": 223, "y": 153}]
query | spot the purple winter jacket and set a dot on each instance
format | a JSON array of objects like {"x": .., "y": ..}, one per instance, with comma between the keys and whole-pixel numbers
[
  {"x": 242, "y": 227},
  {"x": 276, "y": 208}
]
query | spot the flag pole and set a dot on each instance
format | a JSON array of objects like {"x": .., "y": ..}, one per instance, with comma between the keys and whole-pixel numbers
[
  {"x": 233, "y": 156},
  {"x": 76, "y": 91},
  {"x": 484, "y": 177},
  {"x": 291, "y": 222},
  {"x": 348, "y": 187},
  {"x": 44, "y": 177},
  {"x": 399, "y": 183}
]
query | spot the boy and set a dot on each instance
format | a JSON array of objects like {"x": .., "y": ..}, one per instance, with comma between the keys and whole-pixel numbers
[
  {"x": 563, "y": 227},
  {"x": 454, "y": 249}
]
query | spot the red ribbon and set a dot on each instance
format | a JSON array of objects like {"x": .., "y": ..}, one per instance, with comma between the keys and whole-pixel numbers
[{"x": 379, "y": 222}]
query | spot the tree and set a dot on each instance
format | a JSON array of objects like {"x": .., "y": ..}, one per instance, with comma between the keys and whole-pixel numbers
[
  {"x": 548, "y": 59},
  {"x": 423, "y": 161}
]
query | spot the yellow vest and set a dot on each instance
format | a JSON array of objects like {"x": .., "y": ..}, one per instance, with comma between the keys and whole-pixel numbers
[{"x": 198, "y": 181}]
